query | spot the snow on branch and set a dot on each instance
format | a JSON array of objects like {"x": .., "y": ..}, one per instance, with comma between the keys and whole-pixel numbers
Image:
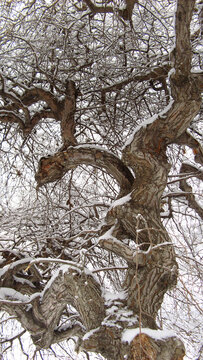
[
  {"x": 68, "y": 285},
  {"x": 110, "y": 243},
  {"x": 57, "y": 261},
  {"x": 129, "y": 334},
  {"x": 13, "y": 297},
  {"x": 132, "y": 256}
]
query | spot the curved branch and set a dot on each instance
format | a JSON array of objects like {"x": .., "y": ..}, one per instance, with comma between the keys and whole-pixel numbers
[
  {"x": 10, "y": 117},
  {"x": 35, "y": 119},
  {"x": 29, "y": 97},
  {"x": 33, "y": 95},
  {"x": 173, "y": 121},
  {"x": 10, "y": 112},
  {"x": 54, "y": 167},
  {"x": 59, "y": 110},
  {"x": 67, "y": 286}
]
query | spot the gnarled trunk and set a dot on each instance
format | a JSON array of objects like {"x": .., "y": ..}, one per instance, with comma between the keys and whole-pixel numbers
[{"x": 122, "y": 326}]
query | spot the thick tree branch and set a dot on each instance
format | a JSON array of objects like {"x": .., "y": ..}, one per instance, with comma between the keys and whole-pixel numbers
[
  {"x": 67, "y": 115},
  {"x": 158, "y": 73},
  {"x": 33, "y": 95},
  {"x": 10, "y": 112},
  {"x": 35, "y": 119},
  {"x": 146, "y": 154},
  {"x": 183, "y": 85},
  {"x": 62, "y": 110},
  {"x": 11, "y": 117},
  {"x": 68, "y": 286},
  {"x": 110, "y": 243},
  {"x": 152, "y": 268},
  {"x": 171, "y": 123},
  {"x": 54, "y": 167}
]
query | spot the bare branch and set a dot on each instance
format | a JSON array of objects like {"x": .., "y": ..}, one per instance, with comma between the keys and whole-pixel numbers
[
  {"x": 188, "y": 140},
  {"x": 35, "y": 94},
  {"x": 11, "y": 117},
  {"x": 184, "y": 186},
  {"x": 98, "y": 9},
  {"x": 158, "y": 73},
  {"x": 125, "y": 13}
]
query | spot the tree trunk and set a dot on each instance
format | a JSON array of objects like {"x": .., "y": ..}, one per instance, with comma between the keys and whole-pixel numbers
[{"x": 123, "y": 326}]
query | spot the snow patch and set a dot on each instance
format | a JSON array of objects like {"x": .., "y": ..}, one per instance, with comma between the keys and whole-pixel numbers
[
  {"x": 121, "y": 201},
  {"x": 11, "y": 294},
  {"x": 23, "y": 281},
  {"x": 108, "y": 234},
  {"x": 14, "y": 264},
  {"x": 129, "y": 334},
  {"x": 90, "y": 333},
  {"x": 110, "y": 297},
  {"x": 145, "y": 123}
]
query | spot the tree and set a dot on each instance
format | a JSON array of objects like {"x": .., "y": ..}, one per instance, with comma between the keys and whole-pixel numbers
[{"x": 101, "y": 101}]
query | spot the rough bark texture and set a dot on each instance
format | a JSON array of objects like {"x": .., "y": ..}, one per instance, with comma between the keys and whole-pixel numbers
[{"x": 152, "y": 268}]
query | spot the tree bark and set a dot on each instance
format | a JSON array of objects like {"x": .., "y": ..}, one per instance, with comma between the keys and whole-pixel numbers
[{"x": 151, "y": 262}]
